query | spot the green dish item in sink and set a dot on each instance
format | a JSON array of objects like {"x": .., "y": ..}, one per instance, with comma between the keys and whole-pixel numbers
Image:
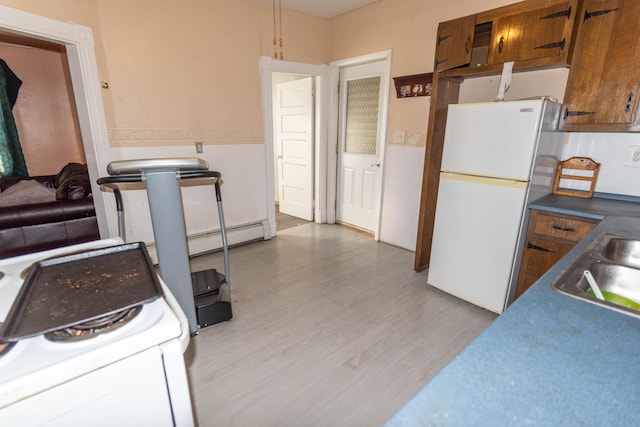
[{"x": 617, "y": 299}]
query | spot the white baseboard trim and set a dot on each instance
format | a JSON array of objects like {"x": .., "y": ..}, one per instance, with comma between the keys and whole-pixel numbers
[{"x": 212, "y": 240}]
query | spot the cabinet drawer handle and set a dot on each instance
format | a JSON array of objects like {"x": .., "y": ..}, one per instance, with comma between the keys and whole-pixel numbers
[
  {"x": 557, "y": 227},
  {"x": 467, "y": 44},
  {"x": 501, "y": 44},
  {"x": 538, "y": 248}
]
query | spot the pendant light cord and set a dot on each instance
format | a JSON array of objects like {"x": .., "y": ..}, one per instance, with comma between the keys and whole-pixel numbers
[
  {"x": 275, "y": 49},
  {"x": 280, "y": 18}
]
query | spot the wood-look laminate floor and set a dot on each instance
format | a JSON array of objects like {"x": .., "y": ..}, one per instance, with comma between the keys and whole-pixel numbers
[
  {"x": 330, "y": 328},
  {"x": 284, "y": 221}
]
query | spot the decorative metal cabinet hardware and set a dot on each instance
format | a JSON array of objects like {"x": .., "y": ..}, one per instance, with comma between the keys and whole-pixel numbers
[
  {"x": 568, "y": 113},
  {"x": 627, "y": 108},
  {"x": 559, "y": 44},
  {"x": 443, "y": 38},
  {"x": 564, "y": 13},
  {"x": 589, "y": 15}
]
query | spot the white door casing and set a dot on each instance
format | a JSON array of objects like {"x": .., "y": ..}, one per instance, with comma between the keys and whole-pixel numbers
[
  {"x": 79, "y": 43},
  {"x": 326, "y": 129},
  {"x": 268, "y": 66},
  {"x": 293, "y": 129},
  {"x": 360, "y": 144}
]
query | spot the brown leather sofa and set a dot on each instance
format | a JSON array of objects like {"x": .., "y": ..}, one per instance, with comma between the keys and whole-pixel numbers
[{"x": 39, "y": 226}]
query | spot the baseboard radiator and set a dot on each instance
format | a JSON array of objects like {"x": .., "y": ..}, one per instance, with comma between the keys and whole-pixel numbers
[{"x": 211, "y": 241}]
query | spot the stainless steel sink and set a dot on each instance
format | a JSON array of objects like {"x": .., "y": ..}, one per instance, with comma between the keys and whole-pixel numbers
[
  {"x": 623, "y": 251},
  {"x": 614, "y": 262}
]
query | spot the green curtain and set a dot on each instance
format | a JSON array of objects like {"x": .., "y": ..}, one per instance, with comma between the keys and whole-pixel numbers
[{"x": 11, "y": 157}]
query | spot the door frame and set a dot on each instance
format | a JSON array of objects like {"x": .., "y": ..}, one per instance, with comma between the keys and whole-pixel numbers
[
  {"x": 332, "y": 125},
  {"x": 78, "y": 41},
  {"x": 326, "y": 131},
  {"x": 268, "y": 66}
]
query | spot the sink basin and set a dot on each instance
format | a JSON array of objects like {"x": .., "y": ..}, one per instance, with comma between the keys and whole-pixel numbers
[
  {"x": 614, "y": 262},
  {"x": 613, "y": 278},
  {"x": 623, "y": 251}
]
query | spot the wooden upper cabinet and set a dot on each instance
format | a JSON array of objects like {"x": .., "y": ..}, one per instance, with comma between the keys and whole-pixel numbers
[
  {"x": 604, "y": 80},
  {"x": 454, "y": 43},
  {"x": 544, "y": 32},
  {"x": 535, "y": 34}
]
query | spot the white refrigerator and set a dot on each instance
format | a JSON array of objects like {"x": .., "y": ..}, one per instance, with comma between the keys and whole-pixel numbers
[{"x": 497, "y": 158}]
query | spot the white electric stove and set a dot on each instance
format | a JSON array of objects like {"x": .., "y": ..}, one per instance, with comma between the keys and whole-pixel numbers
[{"x": 132, "y": 375}]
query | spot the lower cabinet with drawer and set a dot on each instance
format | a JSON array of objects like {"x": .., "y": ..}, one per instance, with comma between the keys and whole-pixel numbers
[{"x": 549, "y": 237}]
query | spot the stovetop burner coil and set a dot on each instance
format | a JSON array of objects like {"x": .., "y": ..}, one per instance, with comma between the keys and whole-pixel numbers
[{"x": 95, "y": 327}]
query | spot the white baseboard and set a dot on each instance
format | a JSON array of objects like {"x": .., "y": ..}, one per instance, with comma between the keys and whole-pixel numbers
[{"x": 212, "y": 240}]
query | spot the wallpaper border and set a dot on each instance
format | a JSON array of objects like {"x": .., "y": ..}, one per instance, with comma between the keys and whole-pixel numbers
[{"x": 155, "y": 136}]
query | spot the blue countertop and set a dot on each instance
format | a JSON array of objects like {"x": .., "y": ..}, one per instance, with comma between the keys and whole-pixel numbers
[
  {"x": 598, "y": 207},
  {"x": 548, "y": 360}
]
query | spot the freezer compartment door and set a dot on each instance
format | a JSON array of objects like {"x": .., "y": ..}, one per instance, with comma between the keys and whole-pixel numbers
[
  {"x": 492, "y": 139},
  {"x": 477, "y": 226}
]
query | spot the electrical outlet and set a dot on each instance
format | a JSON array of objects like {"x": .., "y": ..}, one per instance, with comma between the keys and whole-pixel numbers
[
  {"x": 199, "y": 147},
  {"x": 398, "y": 137},
  {"x": 633, "y": 157}
]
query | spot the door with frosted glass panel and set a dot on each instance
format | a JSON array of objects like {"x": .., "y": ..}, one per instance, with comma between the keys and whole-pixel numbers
[{"x": 360, "y": 146}]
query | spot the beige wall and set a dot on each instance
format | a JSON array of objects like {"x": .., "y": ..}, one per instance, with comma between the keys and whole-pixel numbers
[
  {"x": 189, "y": 66},
  {"x": 170, "y": 66}
]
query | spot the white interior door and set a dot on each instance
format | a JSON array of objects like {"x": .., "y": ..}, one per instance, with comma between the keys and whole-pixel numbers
[
  {"x": 293, "y": 126},
  {"x": 360, "y": 145}
]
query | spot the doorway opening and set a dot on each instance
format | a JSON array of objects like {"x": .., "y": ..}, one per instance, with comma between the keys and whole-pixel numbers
[
  {"x": 325, "y": 151},
  {"x": 361, "y": 142},
  {"x": 45, "y": 111},
  {"x": 349, "y": 180},
  {"x": 78, "y": 45},
  {"x": 304, "y": 162},
  {"x": 294, "y": 138},
  {"x": 284, "y": 221}
]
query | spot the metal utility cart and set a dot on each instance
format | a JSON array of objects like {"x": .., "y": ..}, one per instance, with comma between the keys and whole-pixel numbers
[{"x": 204, "y": 296}]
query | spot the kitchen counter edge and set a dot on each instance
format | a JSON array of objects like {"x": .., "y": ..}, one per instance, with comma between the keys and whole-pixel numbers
[{"x": 549, "y": 359}]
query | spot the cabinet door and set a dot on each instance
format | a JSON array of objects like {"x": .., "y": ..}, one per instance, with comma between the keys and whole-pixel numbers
[
  {"x": 549, "y": 237},
  {"x": 538, "y": 257},
  {"x": 604, "y": 79},
  {"x": 538, "y": 33},
  {"x": 454, "y": 44}
]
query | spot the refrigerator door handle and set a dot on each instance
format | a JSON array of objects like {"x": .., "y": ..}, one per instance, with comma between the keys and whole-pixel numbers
[{"x": 503, "y": 182}]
